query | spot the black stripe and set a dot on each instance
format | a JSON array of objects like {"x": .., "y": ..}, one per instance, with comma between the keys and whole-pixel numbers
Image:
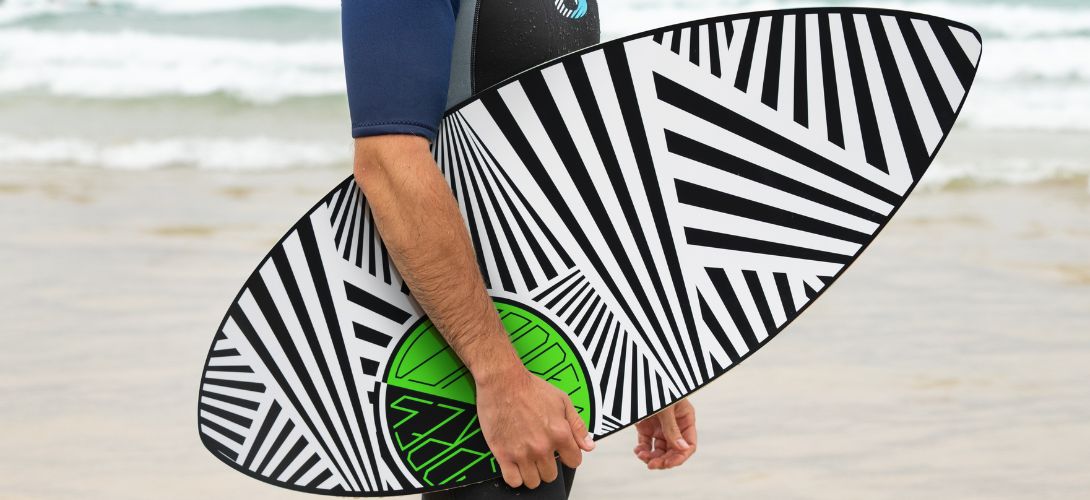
[
  {"x": 593, "y": 306},
  {"x": 657, "y": 37},
  {"x": 231, "y": 369},
  {"x": 371, "y": 247},
  {"x": 802, "y": 111},
  {"x": 227, "y": 415},
  {"x": 810, "y": 292},
  {"x": 959, "y": 60},
  {"x": 572, "y": 298},
  {"x": 620, "y": 375},
  {"x": 694, "y": 45},
  {"x": 601, "y": 342},
  {"x": 262, "y": 433},
  {"x": 340, "y": 200},
  {"x": 759, "y": 299},
  {"x": 770, "y": 96},
  {"x": 225, "y": 432},
  {"x": 786, "y": 298},
  {"x": 344, "y": 216},
  {"x": 276, "y": 444},
  {"x": 294, "y": 452},
  {"x": 645, "y": 407},
  {"x": 834, "y": 125},
  {"x": 610, "y": 350},
  {"x": 579, "y": 308},
  {"x": 359, "y": 234},
  {"x": 711, "y": 199},
  {"x": 236, "y": 384},
  {"x": 245, "y": 403},
  {"x": 230, "y": 416},
  {"x": 222, "y": 353},
  {"x": 303, "y": 469},
  {"x": 713, "y": 50},
  {"x": 556, "y": 300},
  {"x": 593, "y": 330},
  {"x": 319, "y": 479},
  {"x": 728, "y": 28},
  {"x": 741, "y": 81},
  {"x": 864, "y": 103},
  {"x": 633, "y": 384},
  {"x": 592, "y": 113},
  {"x": 696, "y": 151},
  {"x": 939, "y": 103},
  {"x": 722, "y": 285},
  {"x": 907, "y": 125},
  {"x": 219, "y": 447},
  {"x": 369, "y": 366},
  {"x": 704, "y": 238},
  {"x": 556, "y": 285},
  {"x": 687, "y": 100},
  {"x": 368, "y": 334},
  {"x": 374, "y": 304},
  {"x": 347, "y": 240},
  {"x": 717, "y": 331},
  {"x": 675, "y": 42}
]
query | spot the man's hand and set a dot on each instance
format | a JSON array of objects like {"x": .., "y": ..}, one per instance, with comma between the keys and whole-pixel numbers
[
  {"x": 668, "y": 438},
  {"x": 525, "y": 421}
]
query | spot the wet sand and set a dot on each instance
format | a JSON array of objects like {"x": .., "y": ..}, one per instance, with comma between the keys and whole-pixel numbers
[{"x": 952, "y": 361}]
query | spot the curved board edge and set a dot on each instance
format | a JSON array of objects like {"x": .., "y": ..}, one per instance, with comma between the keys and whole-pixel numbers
[{"x": 461, "y": 136}]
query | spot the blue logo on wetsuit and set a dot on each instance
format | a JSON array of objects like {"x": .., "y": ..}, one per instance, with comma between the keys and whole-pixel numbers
[{"x": 572, "y": 13}]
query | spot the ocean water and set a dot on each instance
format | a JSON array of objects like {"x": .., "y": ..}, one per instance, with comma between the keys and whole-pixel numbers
[{"x": 259, "y": 84}]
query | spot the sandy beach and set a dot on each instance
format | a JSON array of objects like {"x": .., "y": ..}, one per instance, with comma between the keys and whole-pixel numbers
[{"x": 949, "y": 362}]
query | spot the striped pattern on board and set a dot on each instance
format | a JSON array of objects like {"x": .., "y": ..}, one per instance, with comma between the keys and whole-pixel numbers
[{"x": 670, "y": 201}]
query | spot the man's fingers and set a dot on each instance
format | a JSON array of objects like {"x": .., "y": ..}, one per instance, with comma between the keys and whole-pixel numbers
[
  {"x": 578, "y": 429},
  {"x": 531, "y": 478},
  {"x": 671, "y": 431},
  {"x": 511, "y": 475},
  {"x": 569, "y": 452},
  {"x": 546, "y": 468}
]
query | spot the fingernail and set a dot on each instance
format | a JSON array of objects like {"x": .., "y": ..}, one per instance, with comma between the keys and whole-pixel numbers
[
  {"x": 681, "y": 443},
  {"x": 589, "y": 440}
]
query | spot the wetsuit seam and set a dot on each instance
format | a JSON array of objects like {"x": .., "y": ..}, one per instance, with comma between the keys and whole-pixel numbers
[
  {"x": 393, "y": 122},
  {"x": 473, "y": 49}
]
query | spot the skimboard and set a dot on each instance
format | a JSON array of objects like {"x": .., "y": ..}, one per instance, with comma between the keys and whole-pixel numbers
[{"x": 647, "y": 213}]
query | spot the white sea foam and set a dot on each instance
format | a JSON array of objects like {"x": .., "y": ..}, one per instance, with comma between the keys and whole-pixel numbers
[
  {"x": 131, "y": 64},
  {"x": 250, "y": 153},
  {"x": 1034, "y": 74}
]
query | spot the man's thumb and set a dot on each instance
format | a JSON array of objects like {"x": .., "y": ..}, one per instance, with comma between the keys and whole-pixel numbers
[
  {"x": 670, "y": 429},
  {"x": 578, "y": 428}
]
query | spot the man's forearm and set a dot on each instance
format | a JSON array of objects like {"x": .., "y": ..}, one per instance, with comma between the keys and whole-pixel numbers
[{"x": 421, "y": 225}]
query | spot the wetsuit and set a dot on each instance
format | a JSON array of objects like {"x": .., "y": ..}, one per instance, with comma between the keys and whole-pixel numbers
[{"x": 408, "y": 61}]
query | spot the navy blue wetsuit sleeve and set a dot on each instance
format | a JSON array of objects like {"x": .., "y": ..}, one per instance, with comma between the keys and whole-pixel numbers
[{"x": 397, "y": 64}]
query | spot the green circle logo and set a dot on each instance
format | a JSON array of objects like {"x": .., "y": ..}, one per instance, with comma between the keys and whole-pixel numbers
[{"x": 430, "y": 395}]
